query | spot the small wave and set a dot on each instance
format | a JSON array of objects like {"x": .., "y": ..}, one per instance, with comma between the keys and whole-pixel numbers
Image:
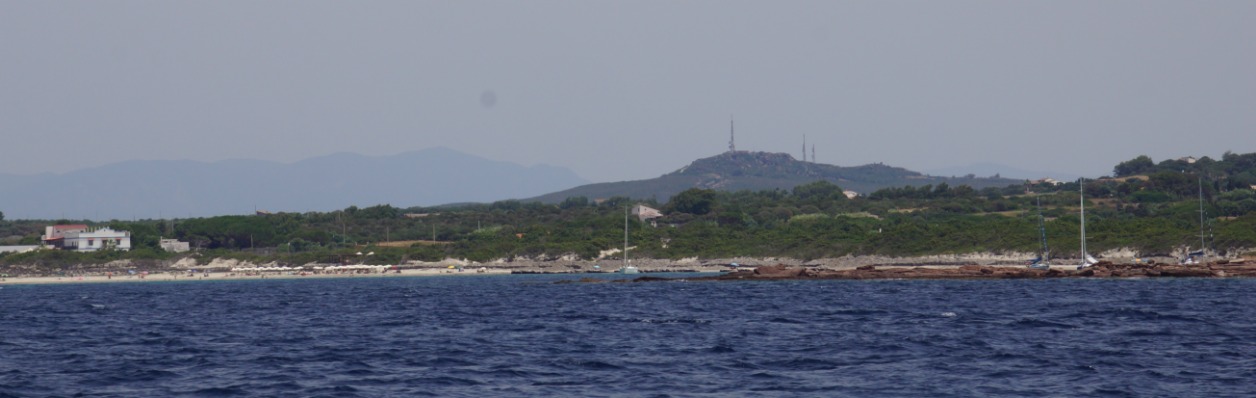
[
  {"x": 766, "y": 375},
  {"x": 1156, "y": 332},
  {"x": 666, "y": 321},
  {"x": 440, "y": 361},
  {"x": 221, "y": 392},
  {"x": 721, "y": 349},
  {"x": 801, "y": 364},
  {"x": 948, "y": 314},
  {"x": 1038, "y": 323},
  {"x": 592, "y": 365},
  {"x": 447, "y": 381}
]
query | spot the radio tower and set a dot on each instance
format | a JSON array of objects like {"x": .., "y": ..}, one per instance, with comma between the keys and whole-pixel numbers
[
  {"x": 804, "y": 147},
  {"x": 813, "y": 153},
  {"x": 732, "y": 148}
]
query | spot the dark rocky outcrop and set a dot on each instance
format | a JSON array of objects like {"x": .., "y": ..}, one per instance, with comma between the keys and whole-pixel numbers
[{"x": 1100, "y": 270}]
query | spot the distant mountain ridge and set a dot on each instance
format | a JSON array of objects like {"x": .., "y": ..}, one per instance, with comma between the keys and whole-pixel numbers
[
  {"x": 742, "y": 170},
  {"x": 180, "y": 188}
]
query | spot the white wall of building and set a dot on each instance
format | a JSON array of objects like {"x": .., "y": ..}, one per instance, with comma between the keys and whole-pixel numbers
[{"x": 93, "y": 240}]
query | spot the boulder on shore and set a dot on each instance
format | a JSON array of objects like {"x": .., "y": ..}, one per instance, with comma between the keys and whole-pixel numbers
[{"x": 779, "y": 271}]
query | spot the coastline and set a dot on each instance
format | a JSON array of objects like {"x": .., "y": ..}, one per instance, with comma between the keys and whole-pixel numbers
[
  {"x": 1101, "y": 270},
  {"x": 968, "y": 266},
  {"x": 222, "y": 276}
]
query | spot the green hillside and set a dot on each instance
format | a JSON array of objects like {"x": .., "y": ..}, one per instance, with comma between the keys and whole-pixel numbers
[{"x": 755, "y": 171}]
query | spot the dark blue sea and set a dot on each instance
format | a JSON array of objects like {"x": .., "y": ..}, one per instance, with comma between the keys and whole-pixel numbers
[{"x": 523, "y": 335}]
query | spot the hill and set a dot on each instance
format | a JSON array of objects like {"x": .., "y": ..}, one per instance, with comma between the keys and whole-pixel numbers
[
  {"x": 742, "y": 170},
  {"x": 180, "y": 188}
]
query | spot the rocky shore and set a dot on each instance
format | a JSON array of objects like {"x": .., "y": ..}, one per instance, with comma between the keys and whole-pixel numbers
[
  {"x": 971, "y": 266},
  {"x": 1101, "y": 270}
]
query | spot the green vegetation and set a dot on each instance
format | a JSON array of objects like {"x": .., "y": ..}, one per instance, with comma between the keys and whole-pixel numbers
[{"x": 1153, "y": 212}]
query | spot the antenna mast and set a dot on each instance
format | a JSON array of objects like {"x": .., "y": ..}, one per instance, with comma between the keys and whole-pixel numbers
[
  {"x": 1201, "y": 215},
  {"x": 813, "y": 153},
  {"x": 804, "y": 147},
  {"x": 731, "y": 138}
]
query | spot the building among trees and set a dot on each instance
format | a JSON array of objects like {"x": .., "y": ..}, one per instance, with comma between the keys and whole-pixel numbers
[{"x": 79, "y": 237}]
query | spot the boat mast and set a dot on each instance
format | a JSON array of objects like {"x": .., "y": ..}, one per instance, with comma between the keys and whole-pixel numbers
[
  {"x": 1082, "y": 200},
  {"x": 1042, "y": 230},
  {"x": 626, "y": 237},
  {"x": 1201, "y": 216}
]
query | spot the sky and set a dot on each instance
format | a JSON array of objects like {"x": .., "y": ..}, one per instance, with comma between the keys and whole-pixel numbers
[{"x": 627, "y": 90}]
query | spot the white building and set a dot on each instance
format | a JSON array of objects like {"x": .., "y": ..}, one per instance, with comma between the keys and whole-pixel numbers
[
  {"x": 92, "y": 240},
  {"x": 645, "y": 213},
  {"x": 174, "y": 245},
  {"x": 54, "y": 235}
]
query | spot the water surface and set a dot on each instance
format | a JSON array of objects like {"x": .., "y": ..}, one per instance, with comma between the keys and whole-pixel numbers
[{"x": 522, "y": 335}]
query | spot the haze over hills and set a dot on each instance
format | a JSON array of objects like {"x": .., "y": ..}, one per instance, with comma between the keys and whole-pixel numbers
[
  {"x": 178, "y": 189},
  {"x": 743, "y": 170},
  {"x": 437, "y": 176},
  {"x": 988, "y": 169}
]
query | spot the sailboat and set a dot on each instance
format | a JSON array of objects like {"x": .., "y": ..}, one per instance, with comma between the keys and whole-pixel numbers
[
  {"x": 1044, "y": 258},
  {"x": 1087, "y": 260},
  {"x": 1197, "y": 257},
  {"x": 626, "y": 268}
]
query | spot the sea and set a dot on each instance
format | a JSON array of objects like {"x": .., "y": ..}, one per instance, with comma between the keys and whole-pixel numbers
[{"x": 536, "y": 336}]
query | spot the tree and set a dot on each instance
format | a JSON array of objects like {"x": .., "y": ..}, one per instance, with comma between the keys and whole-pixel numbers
[
  {"x": 1139, "y": 165},
  {"x": 574, "y": 201},
  {"x": 693, "y": 201},
  {"x": 819, "y": 191},
  {"x": 1, "y": 216}
]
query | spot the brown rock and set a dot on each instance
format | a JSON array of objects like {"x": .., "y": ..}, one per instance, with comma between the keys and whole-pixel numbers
[
  {"x": 1183, "y": 271},
  {"x": 779, "y": 271}
]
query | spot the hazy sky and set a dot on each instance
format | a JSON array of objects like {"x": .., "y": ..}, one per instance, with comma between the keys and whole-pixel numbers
[{"x": 627, "y": 90}]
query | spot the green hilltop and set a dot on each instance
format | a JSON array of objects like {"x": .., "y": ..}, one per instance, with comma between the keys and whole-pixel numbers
[{"x": 755, "y": 171}]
